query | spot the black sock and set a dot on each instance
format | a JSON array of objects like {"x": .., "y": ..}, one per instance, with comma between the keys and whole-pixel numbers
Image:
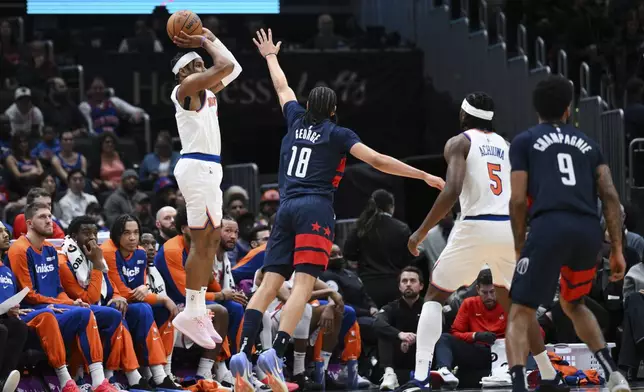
[
  {"x": 517, "y": 372},
  {"x": 281, "y": 342},
  {"x": 252, "y": 324},
  {"x": 604, "y": 359}
]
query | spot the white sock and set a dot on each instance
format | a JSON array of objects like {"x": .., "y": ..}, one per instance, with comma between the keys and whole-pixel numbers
[
  {"x": 109, "y": 373},
  {"x": 146, "y": 373},
  {"x": 193, "y": 305},
  {"x": 96, "y": 372},
  {"x": 168, "y": 365},
  {"x": 202, "y": 299},
  {"x": 431, "y": 318},
  {"x": 389, "y": 370},
  {"x": 220, "y": 370},
  {"x": 158, "y": 374},
  {"x": 546, "y": 369},
  {"x": 298, "y": 363},
  {"x": 133, "y": 377},
  {"x": 326, "y": 357},
  {"x": 63, "y": 375},
  {"x": 260, "y": 374},
  {"x": 205, "y": 368}
]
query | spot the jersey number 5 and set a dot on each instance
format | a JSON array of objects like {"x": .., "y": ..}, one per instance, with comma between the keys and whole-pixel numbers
[
  {"x": 302, "y": 162},
  {"x": 493, "y": 170}
]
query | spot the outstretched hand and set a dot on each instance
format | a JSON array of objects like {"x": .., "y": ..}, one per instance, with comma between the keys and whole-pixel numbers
[
  {"x": 184, "y": 40},
  {"x": 265, "y": 43}
]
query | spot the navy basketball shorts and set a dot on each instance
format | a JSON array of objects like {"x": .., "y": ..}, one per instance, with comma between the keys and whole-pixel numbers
[
  {"x": 302, "y": 236},
  {"x": 561, "y": 248}
]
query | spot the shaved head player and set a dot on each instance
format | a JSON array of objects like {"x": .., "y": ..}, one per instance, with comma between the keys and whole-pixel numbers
[
  {"x": 199, "y": 171},
  {"x": 312, "y": 161}
]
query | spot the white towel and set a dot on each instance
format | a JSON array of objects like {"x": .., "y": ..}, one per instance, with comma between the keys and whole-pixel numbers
[{"x": 81, "y": 266}]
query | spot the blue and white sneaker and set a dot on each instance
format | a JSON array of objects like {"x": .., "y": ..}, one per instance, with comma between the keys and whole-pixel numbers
[
  {"x": 414, "y": 385},
  {"x": 242, "y": 372},
  {"x": 270, "y": 364}
]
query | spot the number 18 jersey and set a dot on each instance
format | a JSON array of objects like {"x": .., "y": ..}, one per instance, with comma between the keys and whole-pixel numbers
[
  {"x": 561, "y": 163},
  {"x": 486, "y": 186},
  {"x": 312, "y": 157}
]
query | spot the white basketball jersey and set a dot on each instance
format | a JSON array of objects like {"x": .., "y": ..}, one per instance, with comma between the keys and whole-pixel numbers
[
  {"x": 198, "y": 130},
  {"x": 486, "y": 188}
]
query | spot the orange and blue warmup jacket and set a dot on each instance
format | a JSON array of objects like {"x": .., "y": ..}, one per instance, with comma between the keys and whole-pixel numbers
[
  {"x": 170, "y": 261},
  {"x": 42, "y": 322},
  {"x": 249, "y": 264},
  {"x": 118, "y": 347},
  {"x": 127, "y": 274},
  {"x": 38, "y": 270}
]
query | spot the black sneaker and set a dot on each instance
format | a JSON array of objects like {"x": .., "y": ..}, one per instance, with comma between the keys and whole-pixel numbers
[
  {"x": 414, "y": 385},
  {"x": 166, "y": 385},
  {"x": 305, "y": 383},
  {"x": 143, "y": 385},
  {"x": 555, "y": 385}
]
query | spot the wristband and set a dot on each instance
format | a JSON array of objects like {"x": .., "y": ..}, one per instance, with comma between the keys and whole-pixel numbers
[{"x": 270, "y": 54}]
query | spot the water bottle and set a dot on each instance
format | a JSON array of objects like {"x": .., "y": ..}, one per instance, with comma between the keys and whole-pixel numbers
[
  {"x": 352, "y": 374},
  {"x": 318, "y": 373}
]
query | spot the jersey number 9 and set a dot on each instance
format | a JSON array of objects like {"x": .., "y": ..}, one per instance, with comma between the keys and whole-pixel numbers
[
  {"x": 302, "y": 162},
  {"x": 567, "y": 169}
]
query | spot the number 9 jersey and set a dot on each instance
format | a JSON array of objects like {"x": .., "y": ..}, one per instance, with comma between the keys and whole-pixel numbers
[
  {"x": 561, "y": 162},
  {"x": 312, "y": 157}
]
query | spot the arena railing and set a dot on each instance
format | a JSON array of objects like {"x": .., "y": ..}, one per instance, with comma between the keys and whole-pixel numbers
[
  {"x": 636, "y": 146},
  {"x": 612, "y": 143}
]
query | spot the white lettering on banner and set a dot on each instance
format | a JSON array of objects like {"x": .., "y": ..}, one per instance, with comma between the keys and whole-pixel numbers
[{"x": 45, "y": 269}]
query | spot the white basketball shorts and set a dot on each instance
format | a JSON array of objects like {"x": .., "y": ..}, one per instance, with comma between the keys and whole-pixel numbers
[
  {"x": 199, "y": 182},
  {"x": 471, "y": 246}
]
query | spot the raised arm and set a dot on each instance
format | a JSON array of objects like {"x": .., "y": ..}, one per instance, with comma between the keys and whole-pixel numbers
[
  {"x": 237, "y": 69},
  {"x": 389, "y": 165},
  {"x": 269, "y": 51},
  {"x": 455, "y": 153},
  {"x": 613, "y": 215},
  {"x": 200, "y": 81}
]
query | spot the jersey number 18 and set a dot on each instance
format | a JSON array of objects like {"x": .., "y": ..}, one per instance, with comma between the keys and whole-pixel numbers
[{"x": 302, "y": 162}]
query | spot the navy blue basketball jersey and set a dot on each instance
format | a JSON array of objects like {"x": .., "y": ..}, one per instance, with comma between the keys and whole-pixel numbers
[
  {"x": 561, "y": 162},
  {"x": 312, "y": 158}
]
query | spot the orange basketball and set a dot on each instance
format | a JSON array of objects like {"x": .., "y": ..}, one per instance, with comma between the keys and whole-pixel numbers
[{"x": 186, "y": 21}]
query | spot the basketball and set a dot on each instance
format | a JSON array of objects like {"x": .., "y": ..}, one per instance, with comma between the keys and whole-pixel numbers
[{"x": 186, "y": 21}]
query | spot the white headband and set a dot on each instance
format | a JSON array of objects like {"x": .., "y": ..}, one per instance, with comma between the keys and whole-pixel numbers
[
  {"x": 185, "y": 60},
  {"x": 472, "y": 111}
]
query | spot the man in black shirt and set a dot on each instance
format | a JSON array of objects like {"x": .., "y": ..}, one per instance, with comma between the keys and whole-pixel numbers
[
  {"x": 59, "y": 111},
  {"x": 396, "y": 324}
]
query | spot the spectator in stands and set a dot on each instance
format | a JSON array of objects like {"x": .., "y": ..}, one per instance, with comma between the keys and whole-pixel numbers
[
  {"x": 254, "y": 259},
  {"x": 77, "y": 319},
  {"x": 479, "y": 322},
  {"x": 143, "y": 41},
  {"x": 379, "y": 245},
  {"x": 47, "y": 147},
  {"x": 632, "y": 347},
  {"x": 13, "y": 331},
  {"x": 48, "y": 183},
  {"x": 107, "y": 168},
  {"x": 165, "y": 193},
  {"x": 628, "y": 47},
  {"x": 246, "y": 222},
  {"x": 66, "y": 159},
  {"x": 10, "y": 53},
  {"x": 5, "y": 136},
  {"x": 38, "y": 68},
  {"x": 25, "y": 170},
  {"x": 75, "y": 201},
  {"x": 237, "y": 205},
  {"x": 143, "y": 211},
  {"x": 102, "y": 112},
  {"x": 166, "y": 228},
  {"x": 23, "y": 114},
  {"x": 59, "y": 110},
  {"x": 40, "y": 196},
  {"x": 269, "y": 204},
  {"x": 347, "y": 284},
  {"x": 634, "y": 110},
  {"x": 121, "y": 201},
  {"x": 161, "y": 162},
  {"x": 95, "y": 211},
  {"x": 396, "y": 326},
  {"x": 326, "y": 37},
  {"x": 436, "y": 240}
]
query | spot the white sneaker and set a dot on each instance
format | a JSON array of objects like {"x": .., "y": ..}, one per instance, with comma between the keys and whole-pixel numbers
[
  {"x": 389, "y": 381},
  {"x": 448, "y": 378},
  {"x": 12, "y": 381},
  {"x": 617, "y": 383}
]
